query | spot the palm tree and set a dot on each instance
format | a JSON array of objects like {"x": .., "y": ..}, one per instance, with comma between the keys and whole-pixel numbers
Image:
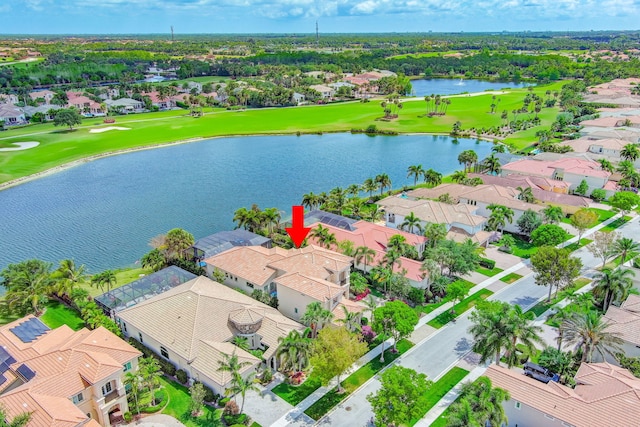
[
  {"x": 353, "y": 190},
  {"x": 242, "y": 385},
  {"x": 492, "y": 164},
  {"x": 552, "y": 214},
  {"x": 432, "y": 177},
  {"x": 272, "y": 218},
  {"x": 383, "y": 182},
  {"x": 468, "y": 158},
  {"x": 355, "y": 205},
  {"x": 149, "y": 369},
  {"x": 522, "y": 331},
  {"x": 309, "y": 200},
  {"x": 492, "y": 331},
  {"x": 612, "y": 285},
  {"x": 459, "y": 176},
  {"x": 410, "y": 222},
  {"x": 337, "y": 198},
  {"x": 624, "y": 247},
  {"x": 526, "y": 194},
  {"x": 323, "y": 236},
  {"x": 587, "y": 331},
  {"x": 500, "y": 216},
  {"x": 351, "y": 320},
  {"x": 314, "y": 317},
  {"x": 416, "y": 171},
  {"x": 232, "y": 365},
  {"x": 374, "y": 214},
  {"x": 153, "y": 260},
  {"x": 371, "y": 304},
  {"x": 606, "y": 165},
  {"x": 365, "y": 255},
  {"x": 20, "y": 420},
  {"x": 294, "y": 350},
  {"x": 461, "y": 414},
  {"x": 241, "y": 342},
  {"x": 242, "y": 217},
  {"x": 630, "y": 152},
  {"x": 31, "y": 288},
  {"x": 178, "y": 241},
  {"x": 369, "y": 186},
  {"x": 68, "y": 276},
  {"x": 134, "y": 382}
]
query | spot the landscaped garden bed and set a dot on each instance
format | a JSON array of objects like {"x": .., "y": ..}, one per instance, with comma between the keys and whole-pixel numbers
[{"x": 294, "y": 394}]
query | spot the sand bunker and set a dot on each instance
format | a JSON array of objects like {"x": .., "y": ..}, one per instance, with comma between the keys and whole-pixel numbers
[
  {"x": 21, "y": 146},
  {"x": 108, "y": 128}
]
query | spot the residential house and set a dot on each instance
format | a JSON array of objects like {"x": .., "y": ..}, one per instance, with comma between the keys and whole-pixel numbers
[
  {"x": 605, "y": 395},
  {"x": 627, "y": 134},
  {"x": 544, "y": 190},
  {"x": 47, "y": 110},
  {"x": 46, "y": 95},
  {"x": 570, "y": 169},
  {"x": 326, "y": 92},
  {"x": 376, "y": 237},
  {"x": 608, "y": 148},
  {"x": 460, "y": 218},
  {"x": 297, "y": 98},
  {"x": 480, "y": 197},
  {"x": 214, "y": 244},
  {"x": 65, "y": 378},
  {"x": 86, "y": 106},
  {"x": 298, "y": 277},
  {"x": 125, "y": 105},
  {"x": 9, "y": 99},
  {"x": 163, "y": 103},
  {"x": 12, "y": 115},
  {"x": 625, "y": 322},
  {"x": 193, "y": 324}
]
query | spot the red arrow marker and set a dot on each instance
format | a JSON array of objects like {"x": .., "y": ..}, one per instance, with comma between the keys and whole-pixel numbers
[{"x": 298, "y": 232}]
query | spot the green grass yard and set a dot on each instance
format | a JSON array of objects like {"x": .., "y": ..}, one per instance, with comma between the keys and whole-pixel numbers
[
  {"x": 439, "y": 389},
  {"x": 296, "y": 394},
  {"x": 615, "y": 224},
  {"x": 575, "y": 246},
  {"x": 510, "y": 278},
  {"x": 353, "y": 381},
  {"x": 489, "y": 272},
  {"x": 58, "y": 314},
  {"x": 59, "y": 146},
  {"x": 178, "y": 406},
  {"x": 467, "y": 303},
  {"x": 543, "y": 306},
  {"x": 428, "y": 308}
]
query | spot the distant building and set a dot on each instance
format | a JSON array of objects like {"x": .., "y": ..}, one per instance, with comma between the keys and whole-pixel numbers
[
  {"x": 214, "y": 244},
  {"x": 47, "y": 110},
  {"x": 125, "y": 105},
  {"x": 12, "y": 115},
  {"x": 325, "y": 91}
]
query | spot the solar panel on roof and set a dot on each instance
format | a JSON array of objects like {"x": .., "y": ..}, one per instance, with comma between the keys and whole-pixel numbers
[
  {"x": 25, "y": 372},
  {"x": 2, "y": 379},
  {"x": 5, "y": 357},
  {"x": 21, "y": 334}
]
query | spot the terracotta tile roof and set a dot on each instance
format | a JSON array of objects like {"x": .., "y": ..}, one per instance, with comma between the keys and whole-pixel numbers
[
  {"x": 318, "y": 289},
  {"x": 432, "y": 211},
  {"x": 604, "y": 122},
  {"x": 248, "y": 262},
  {"x": 187, "y": 310},
  {"x": 549, "y": 169},
  {"x": 459, "y": 235},
  {"x": 351, "y": 306},
  {"x": 211, "y": 354},
  {"x": 605, "y": 395},
  {"x": 584, "y": 145},
  {"x": 625, "y": 320},
  {"x": 65, "y": 363}
]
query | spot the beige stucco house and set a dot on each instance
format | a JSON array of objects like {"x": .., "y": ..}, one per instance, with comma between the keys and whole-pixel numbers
[
  {"x": 65, "y": 378},
  {"x": 193, "y": 324}
]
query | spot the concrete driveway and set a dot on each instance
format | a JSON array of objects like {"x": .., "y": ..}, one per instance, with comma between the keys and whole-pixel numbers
[{"x": 159, "y": 420}]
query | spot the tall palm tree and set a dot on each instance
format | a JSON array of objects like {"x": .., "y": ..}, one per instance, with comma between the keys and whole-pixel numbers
[
  {"x": 242, "y": 385},
  {"x": 365, "y": 255},
  {"x": 355, "y": 205},
  {"x": 587, "y": 331},
  {"x": 353, "y": 190},
  {"x": 242, "y": 217},
  {"x": 435, "y": 233},
  {"x": 461, "y": 414},
  {"x": 30, "y": 288},
  {"x": 294, "y": 350},
  {"x": 410, "y": 223},
  {"x": 552, "y": 214},
  {"x": 337, "y": 198},
  {"x": 134, "y": 381},
  {"x": 432, "y": 177},
  {"x": 522, "y": 331},
  {"x": 369, "y": 186},
  {"x": 309, "y": 200},
  {"x": 468, "y": 158},
  {"x": 526, "y": 194},
  {"x": 612, "y": 285},
  {"x": 383, "y": 182},
  {"x": 178, "y": 241},
  {"x": 606, "y": 165},
  {"x": 314, "y": 317},
  {"x": 68, "y": 276},
  {"x": 624, "y": 247},
  {"x": 492, "y": 164},
  {"x": 149, "y": 369},
  {"x": 459, "y": 176},
  {"x": 374, "y": 214},
  {"x": 322, "y": 235},
  {"x": 630, "y": 152},
  {"x": 271, "y": 218},
  {"x": 500, "y": 216},
  {"x": 351, "y": 320},
  {"x": 232, "y": 365},
  {"x": 492, "y": 331},
  {"x": 416, "y": 172}
]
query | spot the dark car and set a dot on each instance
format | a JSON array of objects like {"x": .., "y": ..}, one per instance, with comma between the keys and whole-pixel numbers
[{"x": 539, "y": 373}]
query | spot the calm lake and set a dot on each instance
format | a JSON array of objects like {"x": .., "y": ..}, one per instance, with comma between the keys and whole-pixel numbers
[
  {"x": 426, "y": 87},
  {"x": 103, "y": 213}
]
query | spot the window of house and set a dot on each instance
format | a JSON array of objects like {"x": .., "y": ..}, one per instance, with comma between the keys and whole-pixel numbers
[
  {"x": 250, "y": 285},
  {"x": 140, "y": 336},
  {"x": 126, "y": 367},
  {"x": 107, "y": 388},
  {"x": 518, "y": 405},
  {"x": 295, "y": 310},
  {"x": 77, "y": 398},
  {"x": 124, "y": 326},
  {"x": 164, "y": 352}
]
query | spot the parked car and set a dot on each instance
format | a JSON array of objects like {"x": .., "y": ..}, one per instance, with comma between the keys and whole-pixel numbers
[{"x": 539, "y": 373}]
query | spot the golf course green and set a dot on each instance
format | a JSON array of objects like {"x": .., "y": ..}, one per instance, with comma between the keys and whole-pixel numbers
[{"x": 59, "y": 146}]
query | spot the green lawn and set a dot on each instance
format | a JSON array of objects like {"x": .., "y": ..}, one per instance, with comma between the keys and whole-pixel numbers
[
  {"x": 522, "y": 248},
  {"x": 489, "y": 272},
  {"x": 575, "y": 246},
  {"x": 440, "y": 388},
  {"x": 428, "y": 308},
  {"x": 467, "y": 303},
  {"x": 58, "y": 314},
  {"x": 615, "y": 224},
  {"x": 124, "y": 276},
  {"x": 178, "y": 406},
  {"x": 353, "y": 381},
  {"x": 296, "y": 394},
  {"x": 510, "y": 278},
  {"x": 543, "y": 306},
  {"x": 59, "y": 146}
]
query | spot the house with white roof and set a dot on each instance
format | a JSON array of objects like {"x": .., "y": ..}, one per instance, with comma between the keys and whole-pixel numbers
[
  {"x": 125, "y": 105},
  {"x": 325, "y": 91},
  {"x": 12, "y": 115}
]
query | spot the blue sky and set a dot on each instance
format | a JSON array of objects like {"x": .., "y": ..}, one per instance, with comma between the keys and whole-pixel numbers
[{"x": 299, "y": 16}]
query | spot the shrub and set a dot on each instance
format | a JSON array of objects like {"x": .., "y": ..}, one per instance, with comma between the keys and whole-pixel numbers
[
  {"x": 223, "y": 401},
  {"x": 368, "y": 334},
  {"x": 237, "y": 419},
  {"x": 487, "y": 263},
  {"x": 548, "y": 235},
  {"x": 231, "y": 408},
  {"x": 598, "y": 194},
  {"x": 182, "y": 376},
  {"x": 127, "y": 416},
  {"x": 416, "y": 295}
]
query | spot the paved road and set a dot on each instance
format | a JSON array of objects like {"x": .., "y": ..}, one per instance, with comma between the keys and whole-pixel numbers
[{"x": 438, "y": 353}]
